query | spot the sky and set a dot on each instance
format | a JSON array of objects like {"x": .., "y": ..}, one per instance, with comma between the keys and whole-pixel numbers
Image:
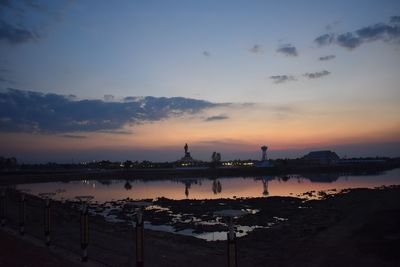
[{"x": 91, "y": 80}]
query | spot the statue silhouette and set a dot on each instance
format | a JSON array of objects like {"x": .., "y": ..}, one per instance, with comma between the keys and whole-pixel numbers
[{"x": 186, "y": 147}]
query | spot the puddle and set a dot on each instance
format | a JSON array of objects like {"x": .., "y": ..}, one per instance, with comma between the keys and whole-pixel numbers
[{"x": 241, "y": 230}]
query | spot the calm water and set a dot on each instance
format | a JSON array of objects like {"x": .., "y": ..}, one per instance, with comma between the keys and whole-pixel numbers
[{"x": 204, "y": 188}]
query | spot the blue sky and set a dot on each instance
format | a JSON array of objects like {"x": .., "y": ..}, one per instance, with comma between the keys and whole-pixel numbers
[{"x": 263, "y": 53}]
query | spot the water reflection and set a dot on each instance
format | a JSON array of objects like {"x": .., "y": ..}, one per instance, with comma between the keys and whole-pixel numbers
[
  {"x": 128, "y": 185},
  {"x": 216, "y": 187},
  {"x": 213, "y": 188}
]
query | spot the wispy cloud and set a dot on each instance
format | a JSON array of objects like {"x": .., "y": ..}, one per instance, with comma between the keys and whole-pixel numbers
[
  {"x": 256, "y": 49},
  {"x": 51, "y": 113},
  {"x": 217, "y": 118},
  {"x": 288, "y": 50},
  {"x": 351, "y": 40},
  {"x": 73, "y": 136},
  {"x": 28, "y": 21},
  {"x": 316, "y": 75},
  {"x": 325, "y": 58},
  {"x": 395, "y": 19},
  {"x": 282, "y": 78},
  {"x": 206, "y": 54},
  {"x": 108, "y": 98},
  {"x": 122, "y": 132},
  {"x": 4, "y": 80},
  {"x": 15, "y": 35},
  {"x": 325, "y": 39}
]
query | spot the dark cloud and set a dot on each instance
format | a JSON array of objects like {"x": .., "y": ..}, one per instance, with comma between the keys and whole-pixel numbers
[
  {"x": 325, "y": 58},
  {"x": 114, "y": 131},
  {"x": 282, "y": 78},
  {"x": 29, "y": 20},
  {"x": 35, "y": 112},
  {"x": 256, "y": 49},
  {"x": 12, "y": 35},
  {"x": 5, "y": 3},
  {"x": 217, "y": 118},
  {"x": 206, "y": 54},
  {"x": 4, "y": 80},
  {"x": 348, "y": 40},
  {"x": 395, "y": 19},
  {"x": 288, "y": 50},
  {"x": 351, "y": 40},
  {"x": 325, "y": 39},
  {"x": 315, "y": 75},
  {"x": 73, "y": 136}
]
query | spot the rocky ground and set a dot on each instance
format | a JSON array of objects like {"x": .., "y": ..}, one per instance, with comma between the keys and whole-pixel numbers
[{"x": 358, "y": 227}]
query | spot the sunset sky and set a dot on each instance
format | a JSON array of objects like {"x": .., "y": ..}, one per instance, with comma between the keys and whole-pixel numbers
[{"x": 89, "y": 80}]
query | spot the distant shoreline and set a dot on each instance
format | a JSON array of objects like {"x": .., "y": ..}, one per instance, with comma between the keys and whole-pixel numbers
[{"x": 49, "y": 175}]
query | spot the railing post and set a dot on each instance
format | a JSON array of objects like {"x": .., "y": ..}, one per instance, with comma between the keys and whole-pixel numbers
[
  {"x": 84, "y": 232},
  {"x": 3, "y": 207},
  {"x": 22, "y": 214},
  {"x": 232, "y": 251},
  {"x": 47, "y": 215},
  {"x": 139, "y": 238},
  {"x": 47, "y": 221},
  {"x": 139, "y": 228},
  {"x": 84, "y": 225},
  {"x": 231, "y": 236}
]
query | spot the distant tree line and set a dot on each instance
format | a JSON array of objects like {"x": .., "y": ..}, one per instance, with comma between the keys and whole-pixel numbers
[
  {"x": 12, "y": 164},
  {"x": 8, "y": 163}
]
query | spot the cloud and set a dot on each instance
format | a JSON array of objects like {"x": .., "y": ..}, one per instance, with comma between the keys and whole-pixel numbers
[
  {"x": 352, "y": 40},
  {"x": 325, "y": 58},
  {"x": 4, "y": 80},
  {"x": 108, "y": 98},
  {"x": 288, "y": 50},
  {"x": 316, "y": 75},
  {"x": 5, "y": 3},
  {"x": 395, "y": 19},
  {"x": 35, "y": 112},
  {"x": 325, "y": 39},
  {"x": 115, "y": 132},
  {"x": 28, "y": 21},
  {"x": 13, "y": 35},
  {"x": 256, "y": 49},
  {"x": 348, "y": 40},
  {"x": 206, "y": 54},
  {"x": 72, "y": 136},
  {"x": 282, "y": 78},
  {"x": 217, "y": 118}
]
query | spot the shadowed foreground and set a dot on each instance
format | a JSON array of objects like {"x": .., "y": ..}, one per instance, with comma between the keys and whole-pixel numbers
[{"x": 356, "y": 228}]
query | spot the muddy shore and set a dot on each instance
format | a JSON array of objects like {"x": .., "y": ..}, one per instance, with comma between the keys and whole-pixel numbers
[{"x": 358, "y": 227}]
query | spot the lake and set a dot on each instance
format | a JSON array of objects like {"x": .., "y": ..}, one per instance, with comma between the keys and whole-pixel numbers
[{"x": 206, "y": 188}]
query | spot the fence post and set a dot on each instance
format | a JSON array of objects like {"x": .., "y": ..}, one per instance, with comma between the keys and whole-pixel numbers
[
  {"x": 84, "y": 225},
  {"x": 231, "y": 235},
  {"x": 3, "y": 206},
  {"x": 140, "y": 206},
  {"x": 22, "y": 214},
  {"x": 47, "y": 216}
]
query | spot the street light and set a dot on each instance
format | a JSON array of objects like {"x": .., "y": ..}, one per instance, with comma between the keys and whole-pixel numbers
[
  {"x": 84, "y": 225},
  {"x": 231, "y": 236}
]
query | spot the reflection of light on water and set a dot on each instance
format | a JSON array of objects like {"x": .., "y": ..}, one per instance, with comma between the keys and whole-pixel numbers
[
  {"x": 110, "y": 211},
  {"x": 241, "y": 230},
  {"x": 202, "y": 188}
]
